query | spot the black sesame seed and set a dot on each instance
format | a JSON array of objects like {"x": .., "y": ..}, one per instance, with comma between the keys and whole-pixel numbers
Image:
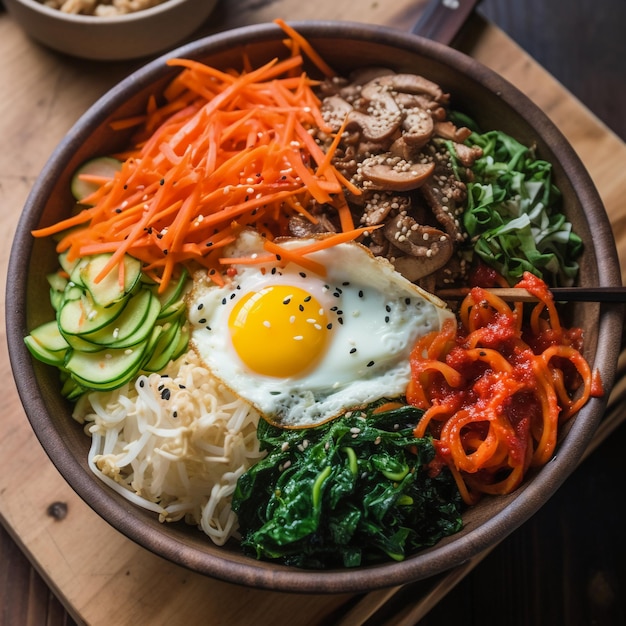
[
  {"x": 202, "y": 321},
  {"x": 334, "y": 308},
  {"x": 175, "y": 414},
  {"x": 141, "y": 383},
  {"x": 360, "y": 293},
  {"x": 273, "y": 270},
  {"x": 200, "y": 306},
  {"x": 388, "y": 309},
  {"x": 118, "y": 210},
  {"x": 224, "y": 300},
  {"x": 165, "y": 394},
  {"x": 287, "y": 300},
  {"x": 386, "y": 319},
  {"x": 181, "y": 386},
  {"x": 346, "y": 283},
  {"x": 407, "y": 301},
  {"x": 232, "y": 295},
  {"x": 208, "y": 328},
  {"x": 340, "y": 320},
  {"x": 370, "y": 364},
  {"x": 353, "y": 350},
  {"x": 329, "y": 326},
  {"x": 307, "y": 299},
  {"x": 300, "y": 307},
  {"x": 339, "y": 312},
  {"x": 303, "y": 274}
]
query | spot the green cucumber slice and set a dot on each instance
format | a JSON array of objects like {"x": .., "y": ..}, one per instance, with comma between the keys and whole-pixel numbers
[
  {"x": 105, "y": 167},
  {"x": 106, "y": 369},
  {"x": 133, "y": 325},
  {"x": 174, "y": 291},
  {"x": 67, "y": 266},
  {"x": 49, "y": 337},
  {"x": 56, "y": 358},
  {"x": 183, "y": 342},
  {"x": 57, "y": 282},
  {"x": 163, "y": 349},
  {"x": 83, "y": 316},
  {"x": 107, "y": 290}
]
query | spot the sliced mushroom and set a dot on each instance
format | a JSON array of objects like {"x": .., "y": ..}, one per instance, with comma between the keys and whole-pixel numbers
[
  {"x": 418, "y": 126},
  {"x": 334, "y": 111},
  {"x": 415, "y": 84},
  {"x": 300, "y": 226},
  {"x": 448, "y": 130},
  {"x": 467, "y": 154},
  {"x": 379, "y": 205},
  {"x": 395, "y": 174},
  {"x": 417, "y": 250}
]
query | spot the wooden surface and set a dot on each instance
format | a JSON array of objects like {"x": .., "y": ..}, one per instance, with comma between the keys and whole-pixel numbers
[{"x": 564, "y": 566}]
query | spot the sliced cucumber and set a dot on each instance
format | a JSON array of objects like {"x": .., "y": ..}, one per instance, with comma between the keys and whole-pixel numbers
[
  {"x": 49, "y": 337},
  {"x": 163, "y": 349},
  {"x": 73, "y": 292},
  {"x": 83, "y": 316},
  {"x": 56, "y": 299},
  {"x": 66, "y": 265},
  {"x": 57, "y": 282},
  {"x": 56, "y": 358},
  {"x": 133, "y": 325},
  {"x": 174, "y": 291},
  {"x": 173, "y": 312},
  {"x": 105, "y": 369},
  {"x": 107, "y": 290},
  {"x": 183, "y": 341},
  {"x": 105, "y": 167}
]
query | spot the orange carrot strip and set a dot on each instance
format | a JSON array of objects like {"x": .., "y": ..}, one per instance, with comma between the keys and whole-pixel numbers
[{"x": 306, "y": 47}]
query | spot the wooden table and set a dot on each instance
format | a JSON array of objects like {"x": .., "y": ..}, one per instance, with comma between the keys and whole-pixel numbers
[{"x": 42, "y": 94}]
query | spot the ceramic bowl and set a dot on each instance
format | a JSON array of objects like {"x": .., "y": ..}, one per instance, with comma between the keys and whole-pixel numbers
[
  {"x": 111, "y": 38},
  {"x": 475, "y": 89}
]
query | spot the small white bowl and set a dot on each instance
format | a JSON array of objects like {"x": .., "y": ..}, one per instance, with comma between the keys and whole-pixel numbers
[{"x": 111, "y": 38}]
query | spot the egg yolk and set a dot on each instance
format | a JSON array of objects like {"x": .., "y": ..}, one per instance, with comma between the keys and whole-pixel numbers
[{"x": 279, "y": 331}]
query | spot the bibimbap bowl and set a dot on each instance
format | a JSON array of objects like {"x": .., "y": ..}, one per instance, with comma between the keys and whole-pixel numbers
[{"x": 476, "y": 91}]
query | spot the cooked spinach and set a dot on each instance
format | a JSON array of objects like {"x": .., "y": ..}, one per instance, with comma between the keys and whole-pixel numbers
[{"x": 351, "y": 492}]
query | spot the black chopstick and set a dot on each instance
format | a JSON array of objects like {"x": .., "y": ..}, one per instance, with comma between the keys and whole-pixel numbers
[{"x": 561, "y": 294}]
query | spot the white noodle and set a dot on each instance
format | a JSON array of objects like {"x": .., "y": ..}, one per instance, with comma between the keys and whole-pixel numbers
[{"x": 174, "y": 443}]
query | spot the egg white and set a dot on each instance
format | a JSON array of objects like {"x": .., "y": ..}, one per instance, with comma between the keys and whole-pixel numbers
[{"x": 375, "y": 313}]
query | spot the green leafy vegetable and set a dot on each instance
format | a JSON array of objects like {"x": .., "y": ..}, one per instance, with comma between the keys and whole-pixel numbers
[
  {"x": 351, "y": 492},
  {"x": 513, "y": 215}
]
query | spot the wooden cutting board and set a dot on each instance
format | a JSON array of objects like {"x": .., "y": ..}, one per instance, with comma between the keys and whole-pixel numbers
[{"x": 100, "y": 576}]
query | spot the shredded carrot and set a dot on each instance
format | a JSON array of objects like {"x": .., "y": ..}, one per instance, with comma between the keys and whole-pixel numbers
[
  {"x": 220, "y": 152},
  {"x": 304, "y": 45}
]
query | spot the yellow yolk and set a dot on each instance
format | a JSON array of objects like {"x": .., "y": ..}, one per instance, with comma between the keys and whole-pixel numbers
[{"x": 279, "y": 331}]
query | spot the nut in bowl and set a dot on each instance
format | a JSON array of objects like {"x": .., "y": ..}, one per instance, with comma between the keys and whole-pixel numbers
[
  {"x": 108, "y": 36},
  {"x": 369, "y": 426}
]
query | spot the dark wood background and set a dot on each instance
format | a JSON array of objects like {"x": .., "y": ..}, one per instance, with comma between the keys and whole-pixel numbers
[{"x": 566, "y": 565}]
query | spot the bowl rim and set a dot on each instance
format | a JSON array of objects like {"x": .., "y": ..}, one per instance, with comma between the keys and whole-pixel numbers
[
  {"x": 527, "y": 499},
  {"x": 105, "y": 20}
]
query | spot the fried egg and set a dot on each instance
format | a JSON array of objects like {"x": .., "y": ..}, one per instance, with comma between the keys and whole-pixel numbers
[{"x": 303, "y": 348}]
